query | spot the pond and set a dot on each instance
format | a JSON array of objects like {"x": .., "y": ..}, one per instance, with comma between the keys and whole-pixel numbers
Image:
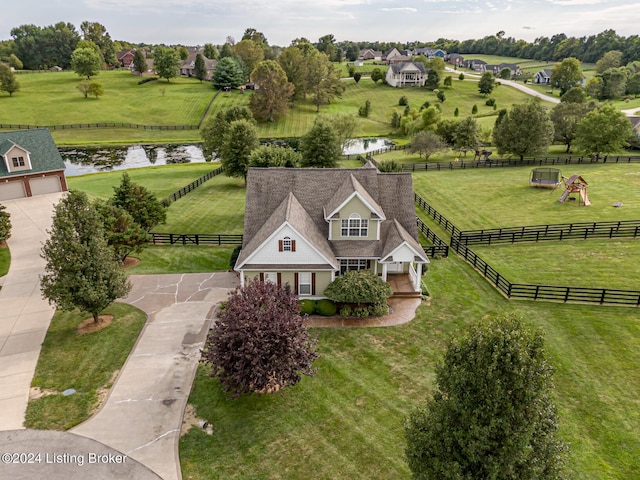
[
  {"x": 365, "y": 145},
  {"x": 107, "y": 159}
]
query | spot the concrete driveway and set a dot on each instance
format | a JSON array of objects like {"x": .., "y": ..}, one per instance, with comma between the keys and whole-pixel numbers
[
  {"x": 143, "y": 414},
  {"x": 24, "y": 314}
]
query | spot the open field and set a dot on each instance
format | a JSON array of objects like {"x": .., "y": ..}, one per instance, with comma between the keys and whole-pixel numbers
[
  {"x": 582, "y": 263},
  {"x": 183, "y": 101},
  {"x": 501, "y": 197}
]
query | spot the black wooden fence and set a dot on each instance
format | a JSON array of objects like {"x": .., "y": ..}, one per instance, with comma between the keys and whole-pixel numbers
[
  {"x": 193, "y": 185},
  {"x": 98, "y": 125},
  {"x": 558, "y": 293},
  {"x": 441, "y": 219},
  {"x": 516, "y": 162},
  {"x": 552, "y": 232},
  {"x": 195, "y": 239},
  {"x": 439, "y": 247}
]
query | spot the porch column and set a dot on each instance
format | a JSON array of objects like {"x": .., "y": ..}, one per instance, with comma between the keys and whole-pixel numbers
[
  {"x": 241, "y": 279},
  {"x": 384, "y": 272},
  {"x": 419, "y": 272}
]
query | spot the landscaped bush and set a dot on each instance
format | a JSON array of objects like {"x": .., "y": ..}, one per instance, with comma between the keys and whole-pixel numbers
[
  {"x": 491, "y": 102},
  {"x": 378, "y": 309},
  {"x": 326, "y": 308},
  {"x": 307, "y": 307},
  {"x": 403, "y": 101},
  {"x": 361, "y": 286},
  {"x": 390, "y": 165},
  {"x": 345, "y": 311},
  {"x": 360, "y": 312},
  {"x": 234, "y": 256}
]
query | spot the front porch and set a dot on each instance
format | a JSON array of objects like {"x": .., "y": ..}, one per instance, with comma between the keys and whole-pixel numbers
[{"x": 402, "y": 286}]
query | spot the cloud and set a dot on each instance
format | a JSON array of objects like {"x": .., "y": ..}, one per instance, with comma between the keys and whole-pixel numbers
[
  {"x": 400, "y": 9},
  {"x": 528, "y": 28}
]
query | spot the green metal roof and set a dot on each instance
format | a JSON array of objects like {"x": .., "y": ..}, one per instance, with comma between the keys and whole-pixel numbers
[{"x": 44, "y": 154}]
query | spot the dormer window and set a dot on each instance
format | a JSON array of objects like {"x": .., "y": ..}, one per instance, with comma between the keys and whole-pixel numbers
[
  {"x": 354, "y": 226},
  {"x": 286, "y": 245},
  {"x": 18, "y": 161}
]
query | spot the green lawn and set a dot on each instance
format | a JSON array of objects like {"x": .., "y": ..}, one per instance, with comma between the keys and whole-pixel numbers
[
  {"x": 347, "y": 421},
  {"x": 487, "y": 198},
  {"x": 85, "y": 363},
  {"x": 161, "y": 180},
  {"x": 181, "y": 259},
  {"x": 580, "y": 263}
]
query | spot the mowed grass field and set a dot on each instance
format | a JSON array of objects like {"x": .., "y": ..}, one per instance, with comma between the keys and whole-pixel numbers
[
  {"x": 51, "y": 98},
  {"x": 347, "y": 421}
]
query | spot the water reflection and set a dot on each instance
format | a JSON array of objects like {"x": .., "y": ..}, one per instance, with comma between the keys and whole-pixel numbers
[
  {"x": 364, "y": 145},
  {"x": 106, "y": 159}
]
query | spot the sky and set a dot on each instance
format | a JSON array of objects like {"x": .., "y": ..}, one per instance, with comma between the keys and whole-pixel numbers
[{"x": 196, "y": 22}]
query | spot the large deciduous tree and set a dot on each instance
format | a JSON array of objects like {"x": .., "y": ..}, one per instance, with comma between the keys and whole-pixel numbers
[
  {"x": 602, "y": 131},
  {"x": 200, "y": 68},
  {"x": 259, "y": 344},
  {"x": 320, "y": 147},
  {"x": 8, "y": 82},
  {"x": 611, "y": 59},
  {"x": 146, "y": 210},
  {"x": 239, "y": 141},
  {"x": 81, "y": 271},
  {"x": 250, "y": 52},
  {"x": 492, "y": 414},
  {"x": 523, "y": 130},
  {"x": 566, "y": 75},
  {"x": 166, "y": 62},
  {"x": 426, "y": 143},
  {"x": 97, "y": 33},
  {"x": 271, "y": 99},
  {"x": 486, "y": 84},
  {"x": 565, "y": 117},
  {"x": 323, "y": 80},
  {"x": 227, "y": 73},
  {"x": 214, "y": 128},
  {"x": 274, "y": 156},
  {"x": 139, "y": 62},
  {"x": 86, "y": 62},
  {"x": 123, "y": 234},
  {"x": 47, "y": 46},
  {"x": 467, "y": 135}
]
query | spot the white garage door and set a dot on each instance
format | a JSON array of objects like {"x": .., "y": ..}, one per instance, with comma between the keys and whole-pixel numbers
[
  {"x": 10, "y": 190},
  {"x": 43, "y": 185}
]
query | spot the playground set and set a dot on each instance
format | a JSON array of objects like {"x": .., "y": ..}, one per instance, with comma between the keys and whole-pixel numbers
[{"x": 553, "y": 178}]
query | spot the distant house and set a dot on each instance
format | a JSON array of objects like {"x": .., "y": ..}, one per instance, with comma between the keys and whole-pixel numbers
[
  {"x": 370, "y": 54},
  {"x": 542, "y": 77},
  {"x": 496, "y": 69},
  {"x": 187, "y": 69},
  {"x": 635, "y": 125},
  {"x": 399, "y": 59},
  {"x": 429, "y": 52},
  {"x": 393, "y": 55},
  {"x": 31, "y": 164},
  {"x": 406, "y": 74},
  {"x": 125, "y": 57},
  {"x": 454, "y": 59},
  {"x": 479, "y": 66},
  {"x": 306, "y": 226}
]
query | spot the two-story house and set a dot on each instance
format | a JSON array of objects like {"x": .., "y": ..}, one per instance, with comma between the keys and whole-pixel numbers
[
  {"x": 306, "y": 226},
  {"x": 30, "y": 164},
  {"x": 407, "y": 74}
]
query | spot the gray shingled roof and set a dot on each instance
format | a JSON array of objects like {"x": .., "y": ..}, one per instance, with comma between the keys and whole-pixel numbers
[
  {"x": 348, "y": 187},
  {"x": 397, "y": 67},
  {"x": 269, "y": 190},
  {"x": 43, "y": 152}
]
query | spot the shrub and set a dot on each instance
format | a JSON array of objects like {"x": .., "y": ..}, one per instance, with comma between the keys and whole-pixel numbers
[
  {"x": 491, "y": 102},
  {"x": 361, "y": 286},
  {"x": 395, "y": 119},
  {"x": 234, "y": 256},
  {"x": 307, "y": 307},
  {"x": 352, "y": 71},
  {"x": 474, "y": 110},
  {"x": 365, "y": 109},
  {"x": 378, "y": 309},
  {"x": 456, "y": 112},
  {"x": 361, "y": 312},
  {"x": 390, "y": 165},
  {"x": 426, "y": 104},
  {"x": 345, "y": 311},
  {"x": 403, "y": 101},
  {"x": 326, "y": 308},
  {"x": 357, "y": 76}
]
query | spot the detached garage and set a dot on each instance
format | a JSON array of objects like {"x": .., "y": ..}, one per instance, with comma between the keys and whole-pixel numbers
[{"x": 30, "y": 164}]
